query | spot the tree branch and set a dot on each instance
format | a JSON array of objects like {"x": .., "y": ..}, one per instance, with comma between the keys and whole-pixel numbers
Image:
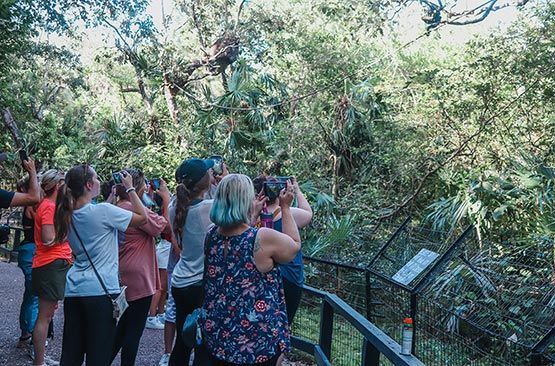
[
  {"x": 197, "y": 27},
  {"x": 10, "y": 124},
  {"x": 129, "y": 90},
  {"x": 39, "y": 114},
  {"x": 239, "y": 14},
  {"x": 457, "y": 152}
]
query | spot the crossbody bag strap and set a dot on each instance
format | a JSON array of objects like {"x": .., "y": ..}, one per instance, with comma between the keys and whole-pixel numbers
[{"x": 91, "y": 262}]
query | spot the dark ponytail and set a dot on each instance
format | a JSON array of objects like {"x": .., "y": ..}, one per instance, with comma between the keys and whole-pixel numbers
[
  {"x": 185, "y": 192},
  {"x": 72, "y": 189}
]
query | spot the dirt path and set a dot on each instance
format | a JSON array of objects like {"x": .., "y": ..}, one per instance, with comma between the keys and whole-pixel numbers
[{"x": 11, "y": 293}]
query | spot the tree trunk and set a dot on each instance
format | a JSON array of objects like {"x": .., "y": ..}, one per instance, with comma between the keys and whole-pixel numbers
[
  {"x": 335, "y": 186},
  {"x": 170, "y": 95},
  {"x": 147, "y": 101}
]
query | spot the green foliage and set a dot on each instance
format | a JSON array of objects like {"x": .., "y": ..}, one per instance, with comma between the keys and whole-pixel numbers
[{"x": 321, "y": 90}]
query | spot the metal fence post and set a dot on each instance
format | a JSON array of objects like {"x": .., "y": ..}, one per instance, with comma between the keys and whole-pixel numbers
[
  {"x": 17, "y": 238},
  {"x": 368, "y": 295},
  {"x": 413, "y": 315},
  {"x": 326, "y": 327},
  {"x": 370, "y": 354}
]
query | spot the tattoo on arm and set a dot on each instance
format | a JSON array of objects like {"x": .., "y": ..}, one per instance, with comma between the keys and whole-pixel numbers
[{"x": 257, "y": 246}]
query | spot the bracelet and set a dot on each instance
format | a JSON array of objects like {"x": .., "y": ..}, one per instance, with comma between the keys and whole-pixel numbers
[{"x": 130, "y": 189}]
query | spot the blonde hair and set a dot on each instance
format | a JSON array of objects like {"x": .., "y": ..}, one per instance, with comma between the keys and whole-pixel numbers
[
  {"x": 50, "y": 179},
  {"x": 233, "y": 201}
]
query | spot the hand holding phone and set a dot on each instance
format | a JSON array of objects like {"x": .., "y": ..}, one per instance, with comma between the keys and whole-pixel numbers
[
  {"x": 29, "y": 166},
  {"x": 286, "y": 196},
  {"x": 126, "y": 179}
]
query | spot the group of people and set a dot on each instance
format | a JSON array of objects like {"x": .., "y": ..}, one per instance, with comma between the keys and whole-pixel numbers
[{"x": 206, "y": 245}]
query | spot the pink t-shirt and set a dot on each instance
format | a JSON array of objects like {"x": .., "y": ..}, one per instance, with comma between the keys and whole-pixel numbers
[{"x": 138, "y": 268}]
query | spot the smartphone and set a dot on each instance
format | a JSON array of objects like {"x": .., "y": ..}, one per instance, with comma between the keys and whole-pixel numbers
[
  {"x": 283, "y": 179},
  {"x": 155, "y": 183},
  {"x": 272, "y": 189},
  {"x": 23, "y": 155},
  {"x": 218, "y": 167},
  {"x": 116, "y": 177}
]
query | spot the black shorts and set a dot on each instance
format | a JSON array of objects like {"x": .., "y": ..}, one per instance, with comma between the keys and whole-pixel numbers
[{"x": 49, "y": 281}]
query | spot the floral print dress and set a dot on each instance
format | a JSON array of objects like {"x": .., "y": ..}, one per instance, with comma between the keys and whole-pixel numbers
[{"x": 245, "y": 319}]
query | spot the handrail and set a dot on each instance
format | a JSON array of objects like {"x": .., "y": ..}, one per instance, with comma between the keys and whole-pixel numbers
[
  {"x": 376, "y": 342},
  {"x": 9, "y": 253}
]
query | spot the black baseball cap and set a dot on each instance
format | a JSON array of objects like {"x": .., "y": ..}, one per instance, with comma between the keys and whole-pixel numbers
[{"x": 193, "y": 170}]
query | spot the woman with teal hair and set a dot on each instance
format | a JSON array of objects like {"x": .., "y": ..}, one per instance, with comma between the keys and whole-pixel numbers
[{"x": 245, "y": 319}]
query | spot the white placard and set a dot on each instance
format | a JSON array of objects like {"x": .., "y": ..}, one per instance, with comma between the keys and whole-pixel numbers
[{"x": 415, "y": 266}]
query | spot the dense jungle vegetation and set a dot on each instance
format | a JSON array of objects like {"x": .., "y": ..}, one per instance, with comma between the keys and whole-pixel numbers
[
  {"x": 379, "y": 119},
  {"x": 325, "y": 90}
]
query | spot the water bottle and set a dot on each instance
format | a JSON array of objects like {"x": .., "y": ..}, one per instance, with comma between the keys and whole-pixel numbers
[
  {"x": 406, "y": 343},
  {"x": 266, "y": 219}
]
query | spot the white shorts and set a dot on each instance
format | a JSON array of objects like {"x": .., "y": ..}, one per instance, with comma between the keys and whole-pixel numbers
[
  {"x": 162, "y": 253},
  {"x": 170, "y": 304}
]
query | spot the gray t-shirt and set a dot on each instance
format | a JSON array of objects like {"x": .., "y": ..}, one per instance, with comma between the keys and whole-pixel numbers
[
  {"x": 98, "y": 227},
  {"x": 190, "y": 268}
]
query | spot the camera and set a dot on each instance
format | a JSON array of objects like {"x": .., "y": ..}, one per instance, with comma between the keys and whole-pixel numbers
[
  {"x": 155, "y": 183},
  {"x": 283, "y": 179},
  {"x": 218, "y": 167},
  {"x": 272, "y": 189},
  {"x": 116, "y": 177}
]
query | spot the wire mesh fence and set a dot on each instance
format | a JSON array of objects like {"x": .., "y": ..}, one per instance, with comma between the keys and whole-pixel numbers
[
  {"x": 346, "y": 347},
  {"x": 483, "y": 304},
  {"x": 307, "y": 319}
]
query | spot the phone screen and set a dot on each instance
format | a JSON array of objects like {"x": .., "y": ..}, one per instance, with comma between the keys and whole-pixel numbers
[
  {"x": 155, "y": 182},
  {"x": 116, "y": 177}
]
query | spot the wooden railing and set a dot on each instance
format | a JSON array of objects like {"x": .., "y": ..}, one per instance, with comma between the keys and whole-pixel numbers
[{"x": 375, "y": 344}]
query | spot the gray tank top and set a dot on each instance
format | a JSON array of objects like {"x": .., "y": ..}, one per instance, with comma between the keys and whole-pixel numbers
[{"x": 190, "y": 267}]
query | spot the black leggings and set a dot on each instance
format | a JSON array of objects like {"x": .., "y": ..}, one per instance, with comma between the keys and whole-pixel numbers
[
  {"x": 89, "y": 329},
  {"x": 293, "y": 295},
  {"x": 186, "y": 300},
  {"x": 130, "y": 329}
]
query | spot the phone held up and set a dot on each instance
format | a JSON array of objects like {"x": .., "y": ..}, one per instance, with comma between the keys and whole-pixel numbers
[
  {"x": 155, "y": 183},
  {"x": 272, "y": 189},
  {"x": 116, "y": 177},
  {"x": 23, "y": 155},
  {"x": 218, "y": 167}
]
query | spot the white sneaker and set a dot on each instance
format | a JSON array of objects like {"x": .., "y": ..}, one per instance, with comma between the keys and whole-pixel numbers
[
  {"x": 152, "y": 322},
  {"x": 49, "y": 361},
  {"x": 161, "y": 318},
  {"x": 164, "y": 360}
]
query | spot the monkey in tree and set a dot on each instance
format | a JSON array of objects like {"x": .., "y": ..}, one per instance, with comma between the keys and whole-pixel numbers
[{"x": 223, "y": 53}]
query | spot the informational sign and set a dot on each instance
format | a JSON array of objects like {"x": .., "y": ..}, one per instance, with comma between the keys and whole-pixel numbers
[{"x": 415, "y": 266}]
